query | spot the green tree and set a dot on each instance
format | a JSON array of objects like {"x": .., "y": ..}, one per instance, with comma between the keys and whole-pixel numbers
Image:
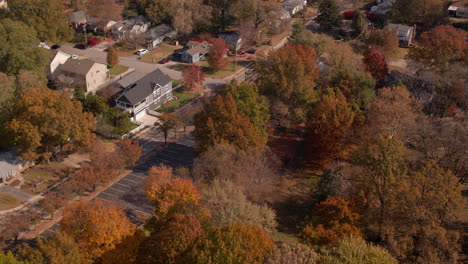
[
  {"x": 357, "y": 86},
  {"x": 45, "y": 16},
  {"x": 234, "y": 243},
  {"x": 8, "y": 258},
  {"x": 288, "y": 75},
  {"x": 296, "y": 253},
  {"x": 46, "y": 122},
  {"x": 356, "y": 250},
  {"x": 57, "y": 249},
  {"x": 19, "y": 46},
  {"x": 250, "y": 103},
  {"x": 329, "y": 17},
  {"x": 424, "y": 12},
  {"x": 220, "y": 121},
  {"x": 359, "y": 24}
]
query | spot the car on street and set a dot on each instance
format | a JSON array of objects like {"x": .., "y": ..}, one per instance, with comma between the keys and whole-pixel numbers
[
  {"x": 164, "y": 61},
  {"x": 73, "y": 56},
  {"x": 80, "y": 46},
  {"x": 55, "y": 46},
  {"x": 251, "y": 51},
  {"x": 141, "y": 52}
]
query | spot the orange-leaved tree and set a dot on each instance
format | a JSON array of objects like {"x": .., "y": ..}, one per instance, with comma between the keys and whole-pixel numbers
[
  {"x": 375, "y": 63},
  {"x": 218, "y": 52},
  {"x": 193, "y": 78},
  {"x": 97, "y": 227}
]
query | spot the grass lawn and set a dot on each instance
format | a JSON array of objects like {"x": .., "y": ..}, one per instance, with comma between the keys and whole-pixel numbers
[
  {"x": 183, "y": 98},
  {"x": 117, "y": 69},
  {"x": 230, "y": 69},
  {"x": 42, "y": 178},
  {"x": 8, "y": 201},
  {"x": 162, "y": 51}
]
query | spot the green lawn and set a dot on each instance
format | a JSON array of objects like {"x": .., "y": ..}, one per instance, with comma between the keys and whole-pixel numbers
[
  {"x": 117, "y": 69},
  {"x": 8, "y": 201},
  {"x": 184, "y": 97},
  {"x": 42, "y": 178},
  {"x": 230, "y": 69}
]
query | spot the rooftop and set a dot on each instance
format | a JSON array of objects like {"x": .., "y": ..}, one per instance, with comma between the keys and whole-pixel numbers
[
  {"x": 80, "y": 67},
  {"x": 77, "y": 16}
]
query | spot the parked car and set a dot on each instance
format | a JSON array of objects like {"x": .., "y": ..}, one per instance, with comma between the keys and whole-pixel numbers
[
  {"x": 80, "y": 46},
  {"x": 136, "y": 142},
  {"x": 93, "y": 42},
  {"x": 73, "y": 56},
  {"x": 241, "y": 52},
  {"x": 55, "y": 46},
  {"x": 251, "y": 51},
  {"x": 141, "y": 52},
  {"x": 164, "y": 61}
]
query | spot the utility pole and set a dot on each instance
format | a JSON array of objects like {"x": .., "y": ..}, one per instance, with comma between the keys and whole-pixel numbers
[{"x": 85, "y": 36}]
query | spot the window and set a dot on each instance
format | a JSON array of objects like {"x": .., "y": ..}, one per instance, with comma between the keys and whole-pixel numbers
[{"x": 157, "y": 92}]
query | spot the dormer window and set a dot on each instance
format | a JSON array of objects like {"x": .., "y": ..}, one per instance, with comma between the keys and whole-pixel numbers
[{"x": 157, "y": 92}]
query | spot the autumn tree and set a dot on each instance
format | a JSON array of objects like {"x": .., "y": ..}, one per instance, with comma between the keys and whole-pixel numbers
[
  {"x": 193, "y": 78},
  {"x": 328, "y": 128},
  {"x": 97, "y": 227},
  {"x": 20, "y": 51},
  {"x": 126, "y": 252},
  {"x": 51, "y": 203},
  {"x": 172, "y": 241},
  {"x": 334, "y": 219},
  {"x": 170, "y": 195},
  {"x": 375, "y": 63},
  {"x": 234, "y": 243},
  {"x": 128, "y": 151},
  {"x": 14, "y": 225},
  {"x": 57, "y": 249},
  {"x": 424, "y": 12},
  {"x": 105, "y": 10},
  {"x": 356, "y": 250},
  {"x": 329, "y": 17},
  {"x": 112, "y": 56},
  {"x": 45, "y": 122},
  {"x": 45, "y": 16},
  {"x": 166, "y": 122},
  {"x": 441, "y": 47},
  {"x": 296, "y": 253},
  {"x": 359, "y": 24},
  {"x": 218, "y": 53},
  {"x": 357, "y": 86},
  {"x": 288, "y": 75},
  {"x": 220, "y": 121},
  {"x": 227, "y": 204},
  {"x": 254, "y": 171},
  {"x": 385, "y": 40},
  {"x": 8, "y": 258},
  {"x": 222, "y": 10}
]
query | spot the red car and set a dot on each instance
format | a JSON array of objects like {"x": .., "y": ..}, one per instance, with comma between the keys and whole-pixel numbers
[
  {"x": 164, "y": 61},
  {"x": 135, "y": 142}
]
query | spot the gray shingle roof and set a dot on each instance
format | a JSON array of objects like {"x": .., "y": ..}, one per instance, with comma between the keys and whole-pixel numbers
[
  {"x": 144, "y": 87},
  {"x": 197, "y": 49},
  {"x": 80, "y": 67},
  {"x": 403, "y": 31},
  {"x": 159, "y": 31},
  {"x": 77, "y": 16},
  {"x": 130, "y": 78}
]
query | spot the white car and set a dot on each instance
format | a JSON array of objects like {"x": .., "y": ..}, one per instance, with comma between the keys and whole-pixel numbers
[
  {"x": 141, "y": 52},
  {"x": 73, "y": 56}
]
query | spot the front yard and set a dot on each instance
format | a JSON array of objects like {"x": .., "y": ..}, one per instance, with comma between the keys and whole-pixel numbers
[
  {"x": 183, "y": 97},
  {"x": 164, "y": 50},
  {"x": 8, "y": 201},
  {"x": 117, "y": 69},
  {"x": 37, "y": 180}
]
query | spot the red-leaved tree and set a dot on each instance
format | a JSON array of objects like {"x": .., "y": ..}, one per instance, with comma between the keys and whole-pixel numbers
[
  {"x": 375, "y": 63},
  {"x": 218, "y": 51},
  {"x": 193, "y": 77}
]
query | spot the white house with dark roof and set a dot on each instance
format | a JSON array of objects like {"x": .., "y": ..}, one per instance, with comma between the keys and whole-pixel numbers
[
  {"x": 459, "y": 9},
  {"x": 77, "y": 19},
  {"x": 195, "y": 51},
  {"x": 89, "y": 74},
  {"x": 157, "y": 34},
  {"x": 58, "y": 58},
  {"x": 11, "y": 166},
  {"x": 130, "y": 28},
  {"x": 143, "y": 92}
]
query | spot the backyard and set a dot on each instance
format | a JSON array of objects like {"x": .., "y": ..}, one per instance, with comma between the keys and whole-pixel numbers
[
  {"x": 229, "y": 70},
  {"x": 183, "y": 97}
]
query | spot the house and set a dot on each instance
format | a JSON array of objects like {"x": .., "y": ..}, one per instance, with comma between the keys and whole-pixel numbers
[
  {"x": 143, "y": 92},
  {"x": 405, "y": 34},
  {"x": 76, "y": 19},
  {"x": 284, "y": 14},
  {"x": 195, "y": 51},
  {"x": 91, "y": 75},
  {"x": 382, "y": 7},
  {"x": 130, "y": 28},
  {"x": 459, "y": 9},
  {"x": 58, "y": 58},
  {"x": 156, "y": 35},
  {"x": 3, "y": 4},
  {"x": 11, "y": 166},
  {"x": 232, "y": 39},
  {"x": 294, "y": 6},
  {"x": 103, "y": 24}
]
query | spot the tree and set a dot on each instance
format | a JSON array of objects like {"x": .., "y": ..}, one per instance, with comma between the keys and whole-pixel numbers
[
  {"x": 104, "y": 10},
  {"x": 234, "y": 243},
  {"x": 46, "y": 122},
  {"x": 441, "y": 47},
  {"x": 126, "y": 252},
  {"x": 385, "y": 40},
  {"x": 297, "y": 253},
  {"x": 220, "y": 121},
  {"x": 335, "y": 218},
  {"x": 18, "y": 43},
  {"x": 51, "y": 203},
  {"x": 129, "y": 152},
  {"x": 218, "y": 53},
  {"x": 329, "y": 17},
  {"x": 170, "y": 195},
  {"x": 166, "y": 122},
  {"x": 14, "y": 225},
  {"x": 328, "y": 128},
  {"x": 356, "y": 250},
  {"x": 57, "y": 249},
  {"x": 375, "y": 63},
  {"x": 424, "y": 12},
  {"x": 254, "y": 171},
  {"x": 288, "y": 75},
  {"x": 193, "y": 78},
  {"x": 8, "y": 258},
  {"x": 359, "y": 24},
  {"x": 227, "y": 204},
  {"x": 97, "y": 227},
  {"x": 357, "y": 86},
  {"x": 112, "y": 56},
  {"x": 222, "y": 9},
  {"x": 172, "y": 241},
  {"x": 45, "y": 16}
]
